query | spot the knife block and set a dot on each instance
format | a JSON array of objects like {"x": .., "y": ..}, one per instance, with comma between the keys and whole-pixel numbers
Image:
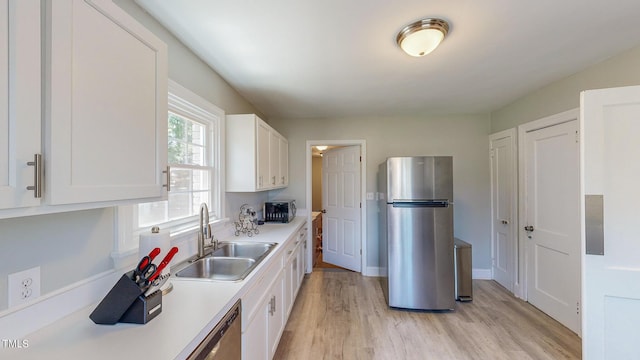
[
  {"x": 143, "y": 309},
  {"x": 126, "y": 302}
]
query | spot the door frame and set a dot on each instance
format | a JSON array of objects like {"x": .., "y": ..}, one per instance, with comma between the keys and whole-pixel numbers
[
  {"x": 556, "y": 119},
  {"x": 513, "y": 139},
  {"x": 363, "y": 188}
]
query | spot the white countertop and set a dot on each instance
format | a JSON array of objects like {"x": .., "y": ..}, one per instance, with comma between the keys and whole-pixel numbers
[{"x": 189, "y": 312}]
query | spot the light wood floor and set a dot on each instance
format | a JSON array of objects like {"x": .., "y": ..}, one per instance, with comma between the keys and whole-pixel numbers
[{"x": 343, "y": 315}]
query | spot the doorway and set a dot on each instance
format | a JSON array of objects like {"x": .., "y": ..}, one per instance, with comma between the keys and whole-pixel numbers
[
  {"x": 550, "y": 215},
  {"x": 331, "y": 234}
]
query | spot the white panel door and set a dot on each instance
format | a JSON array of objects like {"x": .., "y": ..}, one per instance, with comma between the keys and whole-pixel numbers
[
  {"x": 106, "y": 105},
  {"x": 341, "y": 200},
  {"x": 611, "y": 282},
  {"x": 503, "y": 218},
  {"x": 20, "y": 101},
  {"x": 551, "y": 225}
]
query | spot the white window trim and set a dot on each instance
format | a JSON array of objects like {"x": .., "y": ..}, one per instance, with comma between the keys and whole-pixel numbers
[{"x": 126, "y": 243}]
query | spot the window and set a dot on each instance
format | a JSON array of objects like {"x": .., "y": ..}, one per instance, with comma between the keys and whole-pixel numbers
[{"x": 194, "y": 154}]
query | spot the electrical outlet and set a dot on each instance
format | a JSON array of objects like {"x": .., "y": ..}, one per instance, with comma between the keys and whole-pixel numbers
[{"x": 24, "y": 286}]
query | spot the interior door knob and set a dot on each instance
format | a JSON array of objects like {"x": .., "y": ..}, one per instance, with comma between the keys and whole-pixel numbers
[
  {"x": 528, "y": 228},
  {"x": 324, "y": 211}
]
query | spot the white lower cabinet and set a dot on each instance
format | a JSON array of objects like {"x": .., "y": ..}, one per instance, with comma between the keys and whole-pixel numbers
[
  {"x": 266, "y": 306},
  {"x": 262, "y": 334},
  {"x": 263, "y": 314},
  {"x": 294, "y": 268}
]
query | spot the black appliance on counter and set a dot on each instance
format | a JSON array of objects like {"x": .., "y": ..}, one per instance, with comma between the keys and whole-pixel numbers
[{"x": 282, "y": 211}]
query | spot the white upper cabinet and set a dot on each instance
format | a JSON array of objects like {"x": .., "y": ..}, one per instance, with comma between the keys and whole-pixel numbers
[
  {"x": 254, "y": 155},
  {"x": 106, "y": 105},
  {"x": 20, "y": 103}
]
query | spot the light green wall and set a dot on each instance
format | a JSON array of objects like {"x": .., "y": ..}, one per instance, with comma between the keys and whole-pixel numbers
[
  {"x": 562, "y": 95},
  {"x": 465, "y": 137}
]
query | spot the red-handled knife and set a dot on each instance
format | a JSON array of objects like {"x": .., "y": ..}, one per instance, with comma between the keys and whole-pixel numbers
[{"x": 164, "y": 263}]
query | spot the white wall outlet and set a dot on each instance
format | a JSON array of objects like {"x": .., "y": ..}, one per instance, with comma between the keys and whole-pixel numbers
[
  {"x": 24, "y": 286},
  {"x": 370, "y": 196}
]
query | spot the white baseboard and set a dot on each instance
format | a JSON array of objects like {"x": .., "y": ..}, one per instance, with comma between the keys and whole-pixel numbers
[
  {"x": 481, "y": 274},
  {"x": 22, "y": 320},
  {"x": 372, "y": 271}
]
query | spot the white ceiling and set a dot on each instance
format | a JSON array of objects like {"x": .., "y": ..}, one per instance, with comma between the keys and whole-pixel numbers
[{"x": 338, "y": 58}]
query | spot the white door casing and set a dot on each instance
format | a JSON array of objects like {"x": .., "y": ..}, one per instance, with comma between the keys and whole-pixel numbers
[
  {"x": 341, "y": 242},
  {"x": 503, "y": 208},
  {"x": 550, "y": 196},
  {"x": 610, "y": 120}
]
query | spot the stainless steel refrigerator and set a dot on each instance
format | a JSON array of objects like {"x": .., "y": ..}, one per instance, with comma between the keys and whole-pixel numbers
[{"x": 416, "y": 232}]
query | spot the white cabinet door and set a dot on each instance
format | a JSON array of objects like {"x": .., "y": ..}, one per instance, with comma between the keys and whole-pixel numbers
[
  {"x": 283, "y": 147},
  {"x": 291, "y": 277},
  {"x": 20, "y": 102},
  {"x": 106, "y": 105},
  {"x": 302, "y": 249},
  {"x": 254, "y": 339},
  {"x": 261, "y": 337},
  {"x": 263, "y": 148},
  {"x": 274, "y": 159},
  {"x": 277, "y": 314}
]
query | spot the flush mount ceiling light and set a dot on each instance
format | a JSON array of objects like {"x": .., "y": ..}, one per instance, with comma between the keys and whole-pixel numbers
[
  {"x": 321, "y": 147},
  {"x": 422, "y": 37}
]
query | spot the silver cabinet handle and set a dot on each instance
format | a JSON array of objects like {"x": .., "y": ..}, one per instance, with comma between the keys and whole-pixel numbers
[
  {"x": 273, "y": 180},
  {"x": 168, "y": 172},
  {"x": 272, "y": 305},
  {"x": 37, "y": 176},
  {"x": 283, "y": 180}
]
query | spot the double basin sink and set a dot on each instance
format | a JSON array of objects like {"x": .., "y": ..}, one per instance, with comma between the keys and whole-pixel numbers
[{"x": 231, "y": 261}]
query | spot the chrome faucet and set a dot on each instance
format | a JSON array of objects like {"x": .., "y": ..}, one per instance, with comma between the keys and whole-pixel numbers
[{"x": 204, "y": 232}]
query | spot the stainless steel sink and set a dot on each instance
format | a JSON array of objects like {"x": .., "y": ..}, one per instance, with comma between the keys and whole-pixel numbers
[
  {"x": 218, "y": 268},
  {"x": 243, "y": 249},
  {"x": 231, "y": 261}
]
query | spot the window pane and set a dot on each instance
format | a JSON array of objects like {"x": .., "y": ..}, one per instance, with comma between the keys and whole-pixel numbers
[
  {"x": 180, "y": 205},
  {"x": 201, "y": 180},
  {"x": 153, "y": 213},
  {"x": 196, "y": 155},
  {"x": 180, "y": 179},
  {"x": 197, "y": 133},
  {"x": 199, "y": 198}
]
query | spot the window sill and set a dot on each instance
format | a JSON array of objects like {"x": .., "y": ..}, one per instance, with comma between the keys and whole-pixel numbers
[{"x": 184, "y": 237}]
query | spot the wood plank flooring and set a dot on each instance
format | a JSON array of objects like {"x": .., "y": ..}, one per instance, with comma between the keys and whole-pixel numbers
[{"x": 343, "y": 315}]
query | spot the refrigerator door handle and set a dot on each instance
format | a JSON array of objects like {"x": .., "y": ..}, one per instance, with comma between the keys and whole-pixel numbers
[{"x": 425, "y": 203}]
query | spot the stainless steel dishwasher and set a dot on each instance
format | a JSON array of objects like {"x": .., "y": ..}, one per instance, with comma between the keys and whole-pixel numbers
[{"x": 224, "y": 341}]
